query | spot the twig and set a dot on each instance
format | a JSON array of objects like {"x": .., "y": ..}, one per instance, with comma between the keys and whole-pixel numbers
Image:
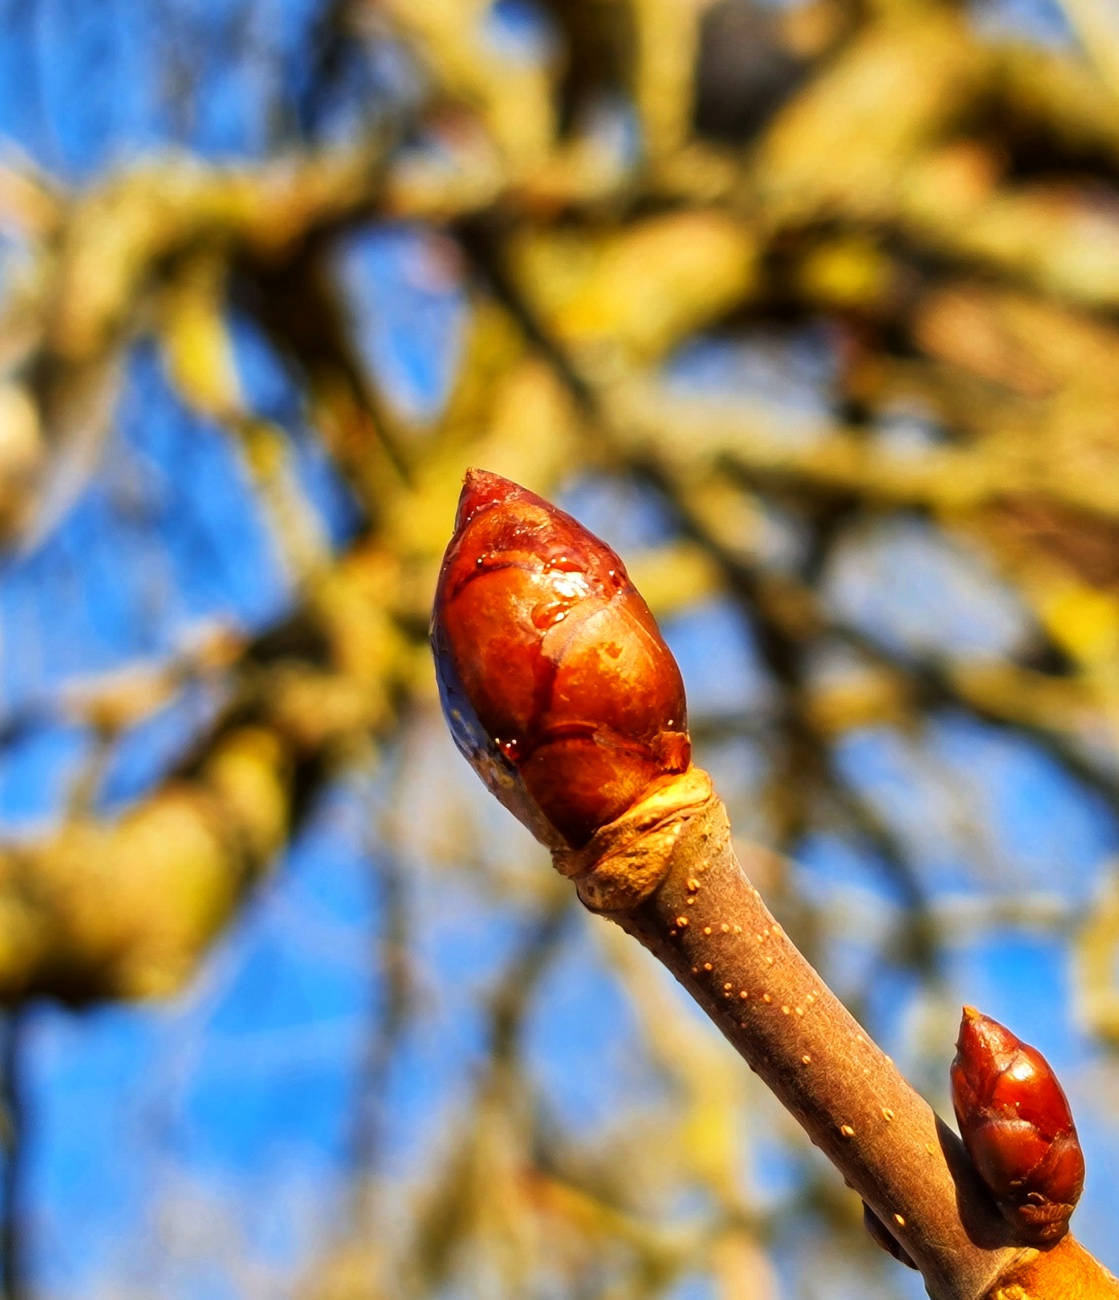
[{"x": 667, "y": 873}]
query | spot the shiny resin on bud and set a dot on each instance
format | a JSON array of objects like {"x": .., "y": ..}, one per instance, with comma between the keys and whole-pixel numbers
[
  {"x": 554, "y": 679},
  {"x": 1016, "y": 1124}
]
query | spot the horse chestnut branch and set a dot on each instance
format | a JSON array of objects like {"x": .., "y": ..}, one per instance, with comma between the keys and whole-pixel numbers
[
  {"x": 1017, "y": 1126},
  {"x": 560, "y": 691},
  {"x": 554, "y": 679}
]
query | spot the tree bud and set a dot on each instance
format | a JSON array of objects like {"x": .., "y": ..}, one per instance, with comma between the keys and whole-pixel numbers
[
  {"x": 885, "y": 1238},
  {"x": 554, "y": 679},
  {"x": 1016, "y": 1124}
]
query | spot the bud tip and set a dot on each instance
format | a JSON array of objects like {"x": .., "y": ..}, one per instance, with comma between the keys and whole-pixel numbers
[{"x": 482, "y": 489}]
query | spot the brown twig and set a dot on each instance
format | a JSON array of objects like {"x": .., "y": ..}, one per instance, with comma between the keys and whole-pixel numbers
[{"x": 668, "y": 874}]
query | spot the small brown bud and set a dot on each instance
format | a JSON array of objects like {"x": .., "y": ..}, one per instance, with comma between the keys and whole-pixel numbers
[
  {"x": 885, "y": 1238},
  {"x": 1016, "y": 1123}
]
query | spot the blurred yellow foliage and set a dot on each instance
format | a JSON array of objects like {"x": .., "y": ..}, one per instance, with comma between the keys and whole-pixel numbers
[{"x": 629, "y": 296}]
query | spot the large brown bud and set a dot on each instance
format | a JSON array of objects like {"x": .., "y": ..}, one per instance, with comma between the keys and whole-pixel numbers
[
  {"x": 1017, "y": 1126},
  {"x": 554, "y": 678}
]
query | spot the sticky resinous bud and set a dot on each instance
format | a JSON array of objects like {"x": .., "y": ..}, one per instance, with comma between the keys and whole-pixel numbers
[
  {"x": 554, "y": 679},
  {"x": 1016, "y": 1123}
]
